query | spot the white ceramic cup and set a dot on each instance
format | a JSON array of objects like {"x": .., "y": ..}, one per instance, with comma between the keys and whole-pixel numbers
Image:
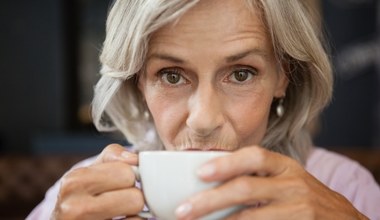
[{"x": 168, "y": 178}]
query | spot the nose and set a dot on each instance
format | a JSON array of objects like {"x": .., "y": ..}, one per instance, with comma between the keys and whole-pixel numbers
[{"x": 205, "y": 111}]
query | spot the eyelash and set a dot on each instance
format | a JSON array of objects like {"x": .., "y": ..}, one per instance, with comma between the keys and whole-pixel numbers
[
  {"x": 162, "y": 75},
  {"x": 251, "y": 71}
]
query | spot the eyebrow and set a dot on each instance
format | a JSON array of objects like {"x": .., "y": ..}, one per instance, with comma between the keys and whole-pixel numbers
[
  {"x": 166, "y": 57},
  {"x": 229, "y": 59},
  {"x": 246, "y": 53}
]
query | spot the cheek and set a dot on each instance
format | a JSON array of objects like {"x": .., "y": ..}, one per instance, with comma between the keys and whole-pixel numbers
[
  {"x": 250, "y": 118},
  {"x": 168, "y": 114}
]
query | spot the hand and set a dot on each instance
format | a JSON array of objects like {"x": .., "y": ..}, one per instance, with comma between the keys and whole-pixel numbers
[
  {"x": 269, "y": 185},
  {"x": 103, "y": 190}
]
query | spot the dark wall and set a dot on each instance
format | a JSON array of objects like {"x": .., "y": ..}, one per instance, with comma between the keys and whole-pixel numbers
[
  {"x": 34, "y": 77},
  {"x": 39, "y": 43},
  {"x": 44, "y": 45},
  {"x": 353, "y": 118}
]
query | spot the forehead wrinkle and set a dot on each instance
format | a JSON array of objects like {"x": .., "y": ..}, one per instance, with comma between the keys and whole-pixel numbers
[
  {"x": 160, "y": 48},
  {"x": 247, "y": 53},
  {"x": 255, "y": 41},
  {"x": 166, "y": 57},
  {"x": 252, "y": 29},
  {"x": 246, "y": 34}
]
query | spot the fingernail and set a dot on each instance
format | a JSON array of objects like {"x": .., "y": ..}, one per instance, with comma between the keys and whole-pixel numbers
[
  {"x": 183, "y": 210},
  {"x": 206, "y": 170},
  {"x": 127, "y": 155}
]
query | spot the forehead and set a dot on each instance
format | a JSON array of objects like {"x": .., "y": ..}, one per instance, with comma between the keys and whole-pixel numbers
[{"x": 214, "y": 21}]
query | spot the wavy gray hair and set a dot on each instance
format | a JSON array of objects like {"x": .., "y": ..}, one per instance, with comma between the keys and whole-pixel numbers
[{"x": 119, "y": 105}]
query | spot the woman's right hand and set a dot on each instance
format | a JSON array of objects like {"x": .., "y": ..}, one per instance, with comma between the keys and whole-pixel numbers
[{"x": 104, "y": 190}]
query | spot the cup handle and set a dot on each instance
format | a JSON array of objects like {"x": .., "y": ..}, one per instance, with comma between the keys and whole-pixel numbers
[{"x": 142, "y": 214}]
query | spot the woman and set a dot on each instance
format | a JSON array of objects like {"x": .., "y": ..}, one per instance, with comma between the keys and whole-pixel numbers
[{"x": 245, "y": 76}]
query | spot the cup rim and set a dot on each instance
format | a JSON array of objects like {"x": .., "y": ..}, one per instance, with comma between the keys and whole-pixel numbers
[{"x": 181, "y": 152}]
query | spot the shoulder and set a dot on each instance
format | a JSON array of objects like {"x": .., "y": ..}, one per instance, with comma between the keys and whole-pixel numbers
[
  {"x": 346, "y": 177},
  {"x": 335, "y": 170},
  {"x": 329, "y": 166}
]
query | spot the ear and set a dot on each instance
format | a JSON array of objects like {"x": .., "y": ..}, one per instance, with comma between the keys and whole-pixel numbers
[{"x": 282, "y": 82}]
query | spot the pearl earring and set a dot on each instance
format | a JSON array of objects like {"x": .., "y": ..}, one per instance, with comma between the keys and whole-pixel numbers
[{"x": 280, "y": 108}]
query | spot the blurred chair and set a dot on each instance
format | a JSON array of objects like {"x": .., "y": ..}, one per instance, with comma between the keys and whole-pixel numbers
[{"x": 25, "y": 179}]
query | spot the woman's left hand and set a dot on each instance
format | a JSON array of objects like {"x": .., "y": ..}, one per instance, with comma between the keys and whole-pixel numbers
[{"x": 269, "y": 185}]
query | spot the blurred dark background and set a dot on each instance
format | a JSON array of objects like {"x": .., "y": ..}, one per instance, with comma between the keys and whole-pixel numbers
[
  {"x": 49, "y": 65},
  {"x": 353, "y": 118},
  {"x": 49, "y": 62}
]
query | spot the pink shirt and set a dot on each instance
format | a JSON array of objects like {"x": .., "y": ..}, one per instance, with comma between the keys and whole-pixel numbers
[{"x": 339, "y": 173}]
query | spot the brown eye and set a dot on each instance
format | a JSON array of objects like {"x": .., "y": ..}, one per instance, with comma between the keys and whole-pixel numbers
[
  {"x": 241, "y": 75},
  {"x": 173, "y": 78}
]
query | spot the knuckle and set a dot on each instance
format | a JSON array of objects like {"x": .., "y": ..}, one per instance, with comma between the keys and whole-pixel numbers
[
  {"x": 259, "y": 152},
  {"x": 261, "y": 155},
  {"x": 108, "y": 153},
  {"x": 72, "y": 181},
  {"x": 293, "y": 164},
  {"x": 127, "y": 175},
  {"x": 243, "y": 185},
  {"x": 112, "y": 147},
  {"x": 70, "y": 209},
  {"x": 136, "y": 200}
]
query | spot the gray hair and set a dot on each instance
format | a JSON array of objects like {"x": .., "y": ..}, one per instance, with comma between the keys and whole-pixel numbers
[{"x": 119, "y": 105}]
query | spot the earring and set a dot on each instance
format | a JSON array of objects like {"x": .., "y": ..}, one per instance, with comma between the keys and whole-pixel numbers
[{"x": 280, "y": 108}]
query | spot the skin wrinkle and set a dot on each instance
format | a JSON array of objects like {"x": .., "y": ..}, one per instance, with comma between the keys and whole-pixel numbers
[
  {"x": 209, "y": 111},
  {"x": 159, "y": 47},
  {"x": 230, "y": 59},
  {"x": 209, "y": 103}
]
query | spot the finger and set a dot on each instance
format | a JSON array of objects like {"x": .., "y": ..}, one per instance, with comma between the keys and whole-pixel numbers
[
  {"x": 127, "y": 218},
  {"x": 133, "y": 218},
  {"x": 98, "y": 178},
  {"x": 250, "y": 191},
  {"x": 272, "y": 212},
  {"x": 247, "y": 161},
  {"x": 242, "y": 191},
  {"x": 115, "y": 152},
  {"x": 126, "y": 202}
]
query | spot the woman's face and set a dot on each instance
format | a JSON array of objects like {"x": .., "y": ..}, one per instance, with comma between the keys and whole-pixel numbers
[{"x": 211, "y": 78}]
